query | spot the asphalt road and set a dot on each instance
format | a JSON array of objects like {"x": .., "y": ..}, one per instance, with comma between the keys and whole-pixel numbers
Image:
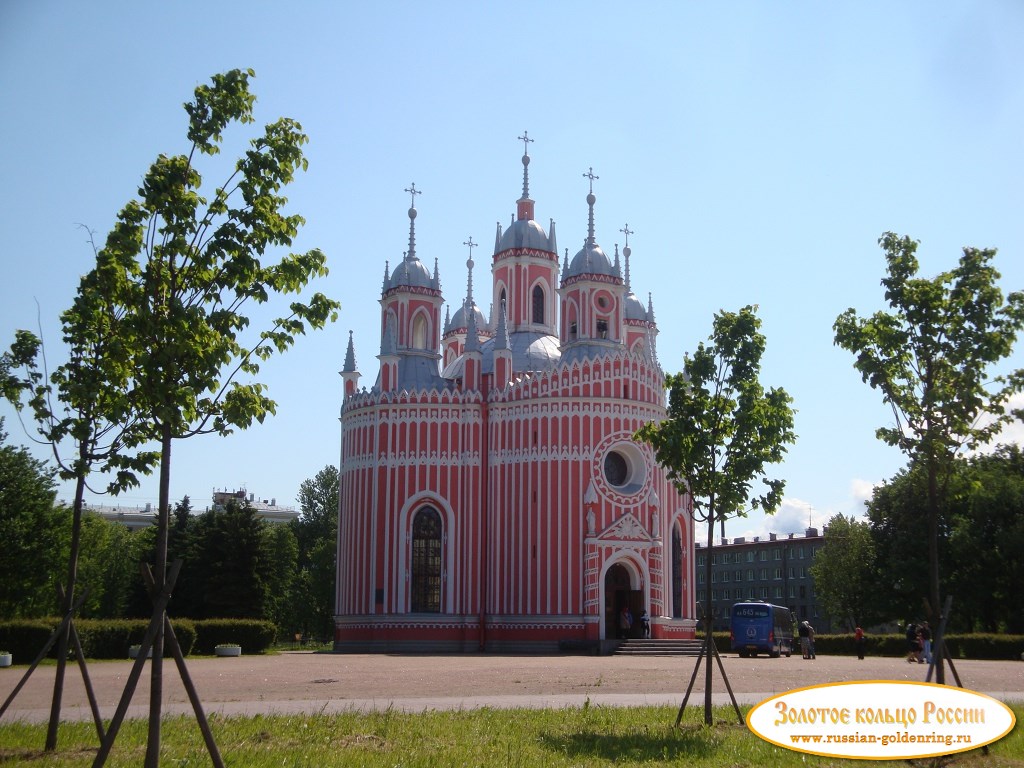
[{"x": 293, "y": 683}]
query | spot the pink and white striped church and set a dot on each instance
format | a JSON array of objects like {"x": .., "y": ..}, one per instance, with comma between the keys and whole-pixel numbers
[{"x": 491, "y": 495}]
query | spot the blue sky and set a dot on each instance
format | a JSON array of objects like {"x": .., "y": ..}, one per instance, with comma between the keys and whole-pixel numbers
[{"x": 757, "y": 150}]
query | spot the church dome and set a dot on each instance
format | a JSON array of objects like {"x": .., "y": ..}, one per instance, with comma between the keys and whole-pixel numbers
[
  {"x": 634, "y": 308},
  {"x": 411, "y": 272},
  {"x": 591, "y": 260},
  {"x": 524, "y": 233},
  {"x": 531, "y": 351},
  {"x": 461, "y": 318}
]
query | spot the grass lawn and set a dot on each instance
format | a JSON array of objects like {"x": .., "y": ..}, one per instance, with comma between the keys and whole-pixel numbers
[{"x": 582, "y": 736}]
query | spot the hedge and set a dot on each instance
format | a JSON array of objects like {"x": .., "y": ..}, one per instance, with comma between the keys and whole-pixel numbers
[
  {"x": 972, "y": 646},
  {"x": 253, "y": 635}
]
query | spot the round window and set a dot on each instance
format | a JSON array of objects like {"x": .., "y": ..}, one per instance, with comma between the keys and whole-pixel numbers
[{"x": 616, "y": 469}]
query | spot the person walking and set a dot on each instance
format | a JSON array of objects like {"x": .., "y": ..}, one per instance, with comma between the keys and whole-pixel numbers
[
  {"x": 926, "y": 642},
  {"x": 859, "y": 642},
  {"x": 805, "y": 641}
]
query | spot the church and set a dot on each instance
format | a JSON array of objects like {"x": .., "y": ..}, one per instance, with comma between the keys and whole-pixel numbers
[{"x": 491, "y": 495}]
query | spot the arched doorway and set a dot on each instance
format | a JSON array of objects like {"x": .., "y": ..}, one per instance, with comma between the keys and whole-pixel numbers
[{"x": 619, "y": 593}]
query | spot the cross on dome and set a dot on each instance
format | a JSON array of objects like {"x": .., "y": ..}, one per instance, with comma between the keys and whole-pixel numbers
[
  {"x": 411, "y": 189},
  {"x": 527, "y": 141},
  {"x": 590, "y": 204}
]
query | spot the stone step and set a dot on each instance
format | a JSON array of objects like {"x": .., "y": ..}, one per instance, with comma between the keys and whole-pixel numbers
[{"x": 635, "y": 647}]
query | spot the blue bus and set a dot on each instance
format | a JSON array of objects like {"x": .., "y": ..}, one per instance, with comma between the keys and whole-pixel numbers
[{"x": 757, "y": 627}]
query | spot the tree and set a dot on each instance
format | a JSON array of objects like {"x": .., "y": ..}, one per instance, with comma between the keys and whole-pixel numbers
[
  {"x": 94, "y": 414},
  {"x": 845, "y": 577},
  {"x": 986, "y": 540},
  {"x": 981, "y": 541},
  {"x": 317, "y": 532},
  {"x": 931, "y": 359},
  {"x": 898, "y": 513},
  {"x": 31, "y": 530},
  {"x": 183, "y": 267},
  {"x": 721, "y": 430}
]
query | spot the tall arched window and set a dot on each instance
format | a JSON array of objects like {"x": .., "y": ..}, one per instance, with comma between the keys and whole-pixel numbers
[
  {"x": 419, "y": 332},
  {"x": 425, "y": 579},
  {"x": 538, "y": 305},
  {"x": 677, "y": 572}
]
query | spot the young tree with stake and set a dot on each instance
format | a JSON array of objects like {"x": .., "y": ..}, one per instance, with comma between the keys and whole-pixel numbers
[{"x": 721, "y": 431}]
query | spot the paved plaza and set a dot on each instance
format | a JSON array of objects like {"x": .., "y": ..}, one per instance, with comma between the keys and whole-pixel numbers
[{"x": 292, "y": 683}]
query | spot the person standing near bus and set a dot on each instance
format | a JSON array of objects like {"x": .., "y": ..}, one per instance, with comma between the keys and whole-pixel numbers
[{"x": 805, "y": 640}]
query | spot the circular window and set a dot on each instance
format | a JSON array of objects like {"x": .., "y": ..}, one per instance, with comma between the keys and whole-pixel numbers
[
  {"x": 602, "y": 302},
  {"x": 616, "y": 469},
  {"x": 621, "y": 468}
]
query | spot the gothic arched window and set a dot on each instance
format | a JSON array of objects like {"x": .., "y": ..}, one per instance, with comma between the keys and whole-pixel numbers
[
  {"x": 538, "y": 305},
  {"x": 425, "y": 578},
  {"x": 677, "y": 572},
  {"x": 419, "y": 332}
]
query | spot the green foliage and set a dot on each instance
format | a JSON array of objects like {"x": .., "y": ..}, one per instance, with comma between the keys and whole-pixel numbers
[
  {"x": 845, "y": 574},
  {"x": 254, "y": 636},
  {"x": 183, "y": 266},
  {"x": 32, "y": 532},
  {"x": 722, "y": 426},
  {"x": 26, "y": 637},
  {"x": 556, "y": 738},
  {"x": 980, "y": 546},
  {"x": 316, "y": 532},
  {"x": 930, "y": 357},
  {"x": 101, "y": 638}
]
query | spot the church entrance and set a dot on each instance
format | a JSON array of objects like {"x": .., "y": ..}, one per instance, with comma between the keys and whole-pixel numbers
[{"x": 619, "y": 594}]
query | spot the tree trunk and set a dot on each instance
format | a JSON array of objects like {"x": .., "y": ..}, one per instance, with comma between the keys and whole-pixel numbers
[
  {"x": 156, "y": 689},
  {"x": 933, "y": 556},
  {"x": 708, "y": 617},
  {"x": 69, "y": 600}
]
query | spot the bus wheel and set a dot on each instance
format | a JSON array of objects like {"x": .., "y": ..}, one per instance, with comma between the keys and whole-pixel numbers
[
  {"x": 774, "y": 654},
  {"x": 743, "y": 654}
]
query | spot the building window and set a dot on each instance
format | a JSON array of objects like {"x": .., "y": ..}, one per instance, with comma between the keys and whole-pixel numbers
[
  {"x": 602, "y": 328},
  {"x": 762, "y": 556},
  {"x": 700, "y": 577},
  {"x": 677, "y": 572},
  {"x": 750, "y": 556},
  {"x": 777, "y": 592},
  {"x": 738, "y": 576},
  {"x": 572, "y": 331},
  {"x": 764, "y": 574},
  {"x": 777, "y": 553},
  {"x": 615, "y": 469},
  {"x": 764, "y": 593},
  {"x": 725, "y": 577},
  {"x": 426, "y": 562},
  {"x": 538, "y": 305},
  {"x": 778, "y": 573},
  {"x": 750, "y": 574},
  {"x": 700, "y": 559},
  {"x": 419, "y": 332}
]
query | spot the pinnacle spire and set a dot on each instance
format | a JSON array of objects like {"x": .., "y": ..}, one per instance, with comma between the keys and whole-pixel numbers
[
  {"x": 411, "y": 189},
  {"x": 590, "y": 205},
  {"x": 525, "y": 138},
  {"x": 469, "y": 269},
  {"x": 501, "y": 335},
  {"x": 625, "y": 252},
  {"x": 350, "y": 356}
]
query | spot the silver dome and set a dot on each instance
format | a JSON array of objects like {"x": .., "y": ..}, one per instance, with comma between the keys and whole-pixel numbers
[
  {"x": 591, "y": 260},
  {"x": 524, "y": 233},
  {"x": 411, "y": 272}
]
